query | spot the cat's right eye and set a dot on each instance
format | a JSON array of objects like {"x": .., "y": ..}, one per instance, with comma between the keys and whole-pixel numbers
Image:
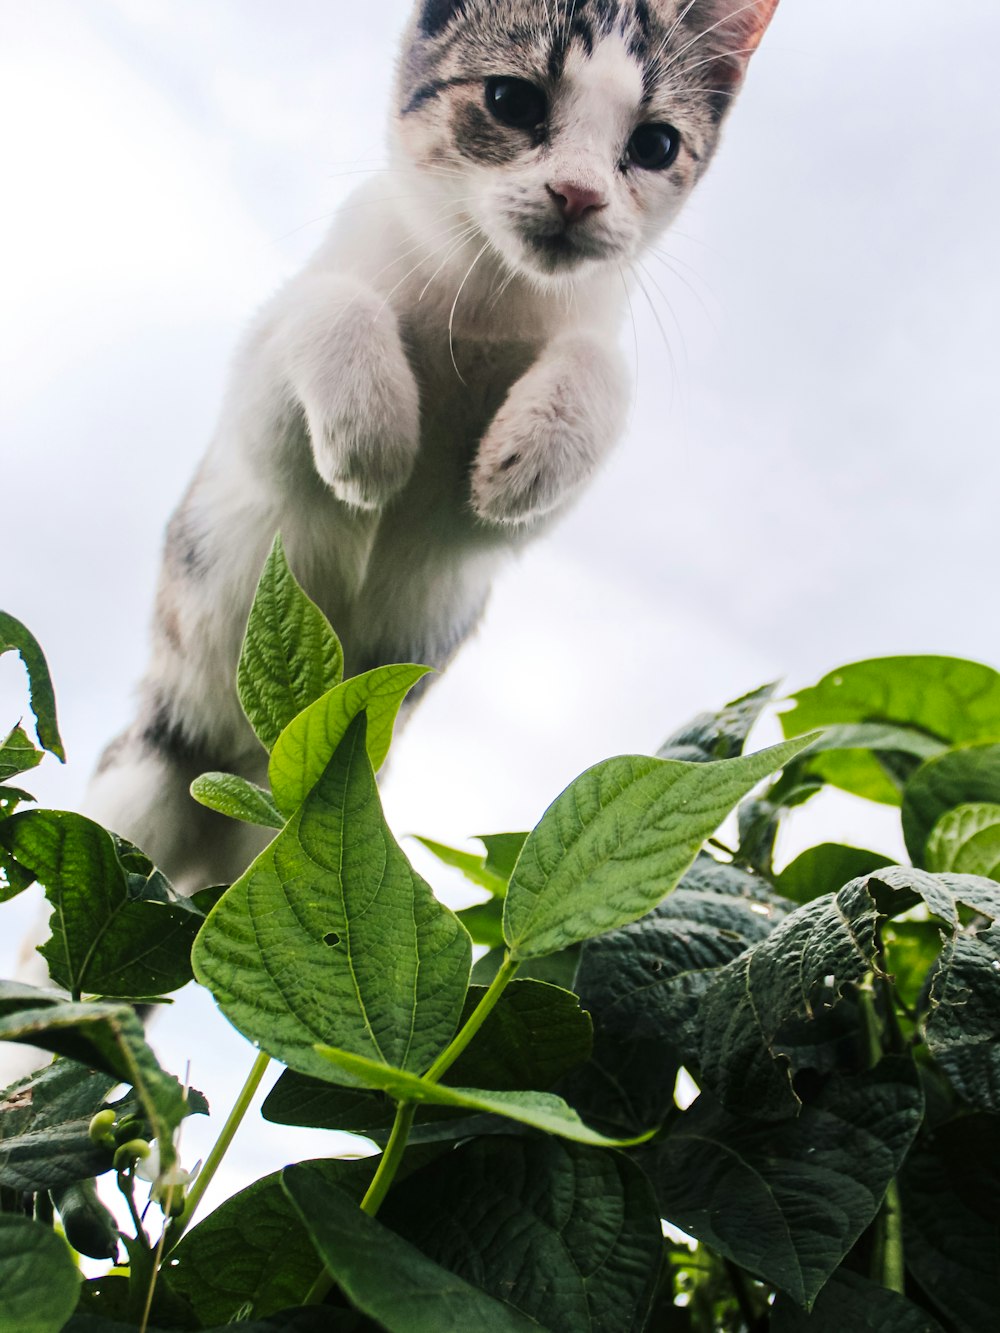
[{"x": 516, "y": 102}]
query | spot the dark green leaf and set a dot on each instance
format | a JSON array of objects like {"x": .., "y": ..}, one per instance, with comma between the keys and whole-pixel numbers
[
  {"x": 617, "y": 841},
  {"x": 106, "y": 1037},
  {"x": 719, "y": 735},
  {"x": 304, "y": 749},
  {"x": 117, "y": 927},
  {"x": 951, "y": 1215},
  {"x": 787, "y": 1202},
  {"x": 15, "y": 637},
  {"x": 959, "y": 777},
  {"x": 384, "y": 1275},
  {"x": 643, "y": 984},
  {"x": 17, "y": 755},
  {"x": 290, "y": 656},
  {"x": 825, "y": 869},
  {"x": 296, "y": 955},
  {"x": 966, "y": 840},
  {"x": 748, "y": 1048},
  {"x": 38, "y": 1278},
  {"x": 90, "y": 1227},
  {"x": 315, "y": 1319},
  {"x": 253, "y": 1253},
  {"x": 849, "y": 1301},
  {"x": 962, "y": 1031},
  {"x": 569, "y": 1235},
  {"x": 44, "y": 1121},
  {"x": 233, "y": 796}
]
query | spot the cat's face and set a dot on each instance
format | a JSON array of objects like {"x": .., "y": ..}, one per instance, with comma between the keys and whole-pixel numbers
[{"x": 570, "y": 132}]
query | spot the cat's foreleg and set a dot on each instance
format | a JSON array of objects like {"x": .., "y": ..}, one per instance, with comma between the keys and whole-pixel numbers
[
  {"x": 556, "y": 425},
  {"x": 344, "y": 360}
]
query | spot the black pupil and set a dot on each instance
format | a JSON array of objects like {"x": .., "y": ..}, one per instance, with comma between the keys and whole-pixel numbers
[
  {"x": 654, "y": 146},
  {"x": 516, "y": 102}
]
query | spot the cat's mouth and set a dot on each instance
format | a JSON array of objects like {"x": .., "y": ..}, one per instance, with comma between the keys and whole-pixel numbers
[{"x": 561, "y": 250}]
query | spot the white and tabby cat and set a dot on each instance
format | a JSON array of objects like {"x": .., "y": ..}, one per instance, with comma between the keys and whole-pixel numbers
[{"x": 441, "y": 380}]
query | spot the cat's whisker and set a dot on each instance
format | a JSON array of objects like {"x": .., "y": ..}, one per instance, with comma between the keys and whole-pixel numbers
[
  {"x": 668, "y": 262},
  {"x": 635, "y": 339},
  {"x": 706, "y": 32},
  {"x": 454, "y": 307},
  {"x": 453, "y": 244},
  {"x": 461, "y": 241},
  {"x": 656, "y": 315}
]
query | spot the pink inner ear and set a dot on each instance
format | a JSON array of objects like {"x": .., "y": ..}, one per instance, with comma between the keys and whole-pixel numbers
[{"x": 740, "y": 26}]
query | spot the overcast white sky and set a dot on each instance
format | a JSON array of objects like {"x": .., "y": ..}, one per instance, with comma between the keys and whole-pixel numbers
[{"x": 810, "y": 475}]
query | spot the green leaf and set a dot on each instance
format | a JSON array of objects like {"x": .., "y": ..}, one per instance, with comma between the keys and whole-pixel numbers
[
  {"x": 484, "y": 922},
  {"x": 540, "y": 1110},
  {"x": 966, "y": 840},
  {"x": 307, "y": 744},
  {"x": 569, "y": 1235},
  {"x": 44, "y": 1123},
  {"x": 950, "y": 1190},
  {"x": 748, "y": 1041},
  {"x": 311, "y": 1319},
  {"x": 851, "y": 1301},
  {"x": 719, "y": 735},
  {"x": 253, "y": 1253},
  {"x": 644, "y": 983},
  {"x": 870, "y": 759},
  {"x": 331, "y": 936},
  {"x": 949, "y": 700},
  {"x": 11, "y": 798},
  {"x": 787, "y": 1202},
  {"x": 39, "y": 1283},
  {"x": 15, "y": 637},
  {"x": 968, "y": 776},
  {"x": 617, "y": 841},
  {"x": 290, "y": 656},
  {"x": 825, "y": 869},
  {"x": 534, "y": 1036},
  {"x": 384, "y": 1275},
  {"x": 472, "y": 866},
  {"x": 17, "y": 755},
  {"x": 106, "y": 1037},
  {"x": 961, "y": 1032},
  {"x": 117, "y": 927},
  {"x": 234, "y": 796}
]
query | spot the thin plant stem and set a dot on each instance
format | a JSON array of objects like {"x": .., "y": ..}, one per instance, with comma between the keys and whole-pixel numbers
[
  {"x": 888, "y": 1264},
  {"x": 220, "y": 1148},
  {"x": 477, "y": 1018},
  {"x": 391, "y": 1158}
]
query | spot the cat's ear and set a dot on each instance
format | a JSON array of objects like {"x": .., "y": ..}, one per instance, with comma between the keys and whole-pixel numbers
[
  {"x": 735, "y": 29},
  {"x": 435, "y": 15}
]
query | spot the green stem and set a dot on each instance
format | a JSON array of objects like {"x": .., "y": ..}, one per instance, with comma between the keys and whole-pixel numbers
[
  {"x": 391, "y": 1158},
  {"x": 214, "y": 1159},
  {"x": 477, "y": 1018},
  {"x": 888, "y": 1259}
]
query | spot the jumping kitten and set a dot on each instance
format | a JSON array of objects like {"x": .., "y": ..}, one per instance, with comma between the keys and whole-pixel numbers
[{"x": 441, "y": 380}]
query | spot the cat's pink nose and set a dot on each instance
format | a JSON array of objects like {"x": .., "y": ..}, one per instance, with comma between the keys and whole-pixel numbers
[{"x": 575, "y": 201}]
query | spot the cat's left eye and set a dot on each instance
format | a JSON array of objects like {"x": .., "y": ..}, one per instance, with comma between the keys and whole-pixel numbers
[
  {"x": 654, "y": 147},
  {"x": 516, "y": 102}
]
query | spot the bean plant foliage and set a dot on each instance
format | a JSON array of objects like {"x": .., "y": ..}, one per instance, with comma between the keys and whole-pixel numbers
[{"x": 649, "y": 1081}]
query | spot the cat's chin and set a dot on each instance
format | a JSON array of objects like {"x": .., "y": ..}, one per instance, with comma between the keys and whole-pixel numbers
[{"x": 560, "y": 256}]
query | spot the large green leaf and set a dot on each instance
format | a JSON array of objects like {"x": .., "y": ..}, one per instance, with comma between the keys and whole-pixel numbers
[
  {"x": 309, "y": 1319},
  {"x": 307, "y": 744},
  {"x": 950, "y": 1191},
  {"x": 117, "y": 927},
  {"x": 253, "y": 1253},
  {"x": 849, "y": 1301},
  {"x": 384, "y": 1275},
  {"x": 569, "y": 1235},
  {"x": 617, "y": 841},
  {"x": 15, "y": 637},
  {"x": 18, "y": 755},
  {"x": 787, "y": 1202},
  {"x": 825, "y": 869},
  {"x": 966, "y": 840},
  {"x": 331, "y": 936},
  {"x": 968, "y": 776},
  {"x": 39, "y": 1283},
  {"x": 107, "y": 1037},
  {"x": 540, "y": 1110},
  {"x": 44, "y": 1122},
  {"x": 237, "y": 798},
  {"x": 719, "y": 735},
  {"x": 290, "y": 656},
  {"x": 535, "y": 1034},
  {"x": 643, "y": 985},
  {"x": 752, "y": 1027}
]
